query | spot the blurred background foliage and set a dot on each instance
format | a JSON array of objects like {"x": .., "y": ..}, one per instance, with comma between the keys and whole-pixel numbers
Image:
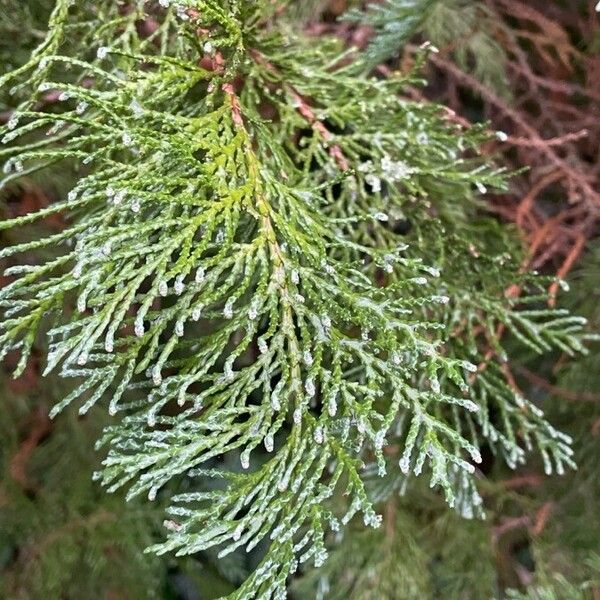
[
  {"x": 530, "y": 69},
  {"x": 22, "y": 27}
]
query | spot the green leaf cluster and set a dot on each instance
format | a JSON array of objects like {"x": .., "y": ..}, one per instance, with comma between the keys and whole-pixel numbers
[{"x": 275, "y": 271}]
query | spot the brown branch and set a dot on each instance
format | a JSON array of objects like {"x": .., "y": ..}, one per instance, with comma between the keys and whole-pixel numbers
[
  {"x": 235, "y": 104},
  {"x": 556, "y": 141},
  {"x": 567, "y": 266},
  {"x": 306, "y": 111},
  {"x": 557, "y": 390},
  {"x": 40, "y": 428},
  {"x": 522, "y": 481}
]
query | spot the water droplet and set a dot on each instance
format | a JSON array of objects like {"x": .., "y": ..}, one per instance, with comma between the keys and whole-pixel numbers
[
  {"x": 181, "y": 397},
  {"x": 318, "y": 435},
  {"x": 476, "y": 455},
  {"x": 404, "y": 465},
  {"x": 269, "y": 443},
  {"x": 328, "y": 268},
  {"x": 136, "y": 108},
  {"x": 119, "y": 196},
  {"x": 309, "y": 386},
  {"x": 179, "y": 285},
  {"x": 109, "y": 342},
  {"x": 81, "y": 108},
  {"x": 297, "y": 416},
  {"x": 275, "y": 404},
  {"x": 139, "y": 327},
  {"x": 237, "y": 534},
  {"x": 179, "y": 329},
  {"x": 332, "y": 407},
  {"x": 374, "y": 181},
  {"x": 395, "y": 170},
  {"x": 422, "y": 138},
  {"x": 432, "y": 271},
  {"x": 245, "y": 459},
  {"x": 228, "y": 370},
  {"x": 228, "y": 310}
]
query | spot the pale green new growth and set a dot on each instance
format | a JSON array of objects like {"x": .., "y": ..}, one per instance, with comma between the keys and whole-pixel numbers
[{"x": 233, "y": 280}]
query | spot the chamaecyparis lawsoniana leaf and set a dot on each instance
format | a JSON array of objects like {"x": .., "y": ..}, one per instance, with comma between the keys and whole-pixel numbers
[{"x": 268, "y": 256}]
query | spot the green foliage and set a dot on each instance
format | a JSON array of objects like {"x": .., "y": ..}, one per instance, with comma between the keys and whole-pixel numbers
[
  {"x": 468, "y": 27},
  {"x": 23, "y": 26},
  {"x": 270, "y": 259},
  {"x": 566, "y": 553},
  {"x": 558, "y": 588},
  {"x": 419, "y": 554},
  {"x": 473, "y": 31},
  {"x": 304, "y": 11},
  {"x": 394, "y": 23},
  {"x": 60, "y": 535}
]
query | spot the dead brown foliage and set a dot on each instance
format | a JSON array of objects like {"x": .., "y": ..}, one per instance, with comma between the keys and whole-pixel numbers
[{"x": 552, "y": 123}]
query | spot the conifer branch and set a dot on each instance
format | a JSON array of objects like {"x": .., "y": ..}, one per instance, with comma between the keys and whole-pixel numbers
[{"x": 239, "y": 282}]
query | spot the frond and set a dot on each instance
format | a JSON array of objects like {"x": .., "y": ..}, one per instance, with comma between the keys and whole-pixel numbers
[{"x": 230, "y": 277}]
